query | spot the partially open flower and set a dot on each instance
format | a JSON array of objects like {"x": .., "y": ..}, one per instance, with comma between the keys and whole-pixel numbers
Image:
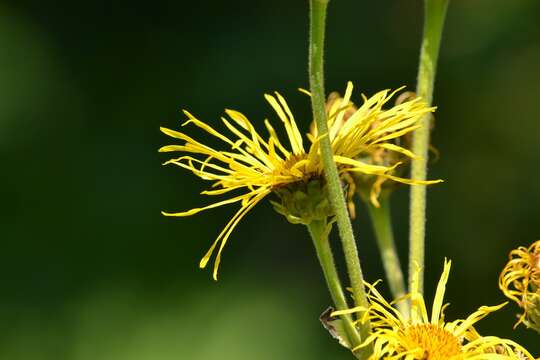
[
  {"x": 256, "y": 166},
  {"x": 424, "y": 337},
  {"x": 520, "y": 281}
]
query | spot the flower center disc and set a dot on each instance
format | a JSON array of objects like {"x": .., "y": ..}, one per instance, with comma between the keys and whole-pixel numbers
[{"x": 431, "y": 342}]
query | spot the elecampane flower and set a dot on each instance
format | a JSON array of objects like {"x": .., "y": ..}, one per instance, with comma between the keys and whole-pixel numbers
[
  {"x": 394, "y": 336},
  {"x": 370, "y": 186},
  {"x": 520, "y": 281},
  {"x": 256, "y": 166}
]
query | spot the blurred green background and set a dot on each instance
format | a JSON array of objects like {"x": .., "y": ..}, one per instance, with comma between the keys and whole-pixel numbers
[{"x": 91, "y": 270}]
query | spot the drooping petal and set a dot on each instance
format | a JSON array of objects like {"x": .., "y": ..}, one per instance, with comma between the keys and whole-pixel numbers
[{"x": 226, "y": 232}]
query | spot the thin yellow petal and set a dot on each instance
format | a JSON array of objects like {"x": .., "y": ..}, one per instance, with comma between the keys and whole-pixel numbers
[
  {"x": 212, "y": 206},
  {"x": 439, "y": 294}
]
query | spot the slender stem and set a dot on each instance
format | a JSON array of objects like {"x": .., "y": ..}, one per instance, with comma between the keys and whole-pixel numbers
[
  {"x": 337, "y": 199},
  {"x": 435, "y": 12},
  {"x": 319, "y": 234},
  {"x": 382, "y": 225}
]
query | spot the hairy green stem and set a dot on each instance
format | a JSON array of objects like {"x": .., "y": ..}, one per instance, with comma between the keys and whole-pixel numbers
[
  {"x": 319, "y": 234},
  {"x": 381, "y": 219},
  {"x": 337, "y": 199},
  {"x": 434, "y": 14}
]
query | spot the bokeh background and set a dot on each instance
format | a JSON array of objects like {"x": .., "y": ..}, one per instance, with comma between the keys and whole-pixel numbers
[{"x": 89, "y": 269}]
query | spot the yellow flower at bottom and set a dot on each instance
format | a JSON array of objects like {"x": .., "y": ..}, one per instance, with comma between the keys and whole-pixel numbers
[
  {"x": 520, "y": 281},
  {"x": 424, "y": 337},
  {"x": 257, "y": 166}
]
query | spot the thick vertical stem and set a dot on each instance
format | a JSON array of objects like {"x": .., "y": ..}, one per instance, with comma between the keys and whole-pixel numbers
[
  {"x": 382, "y": 226},
  {"x": 435, "y": 12},
  {"x": 319, "y": 235},
  {"x": 337, "y": 199}
]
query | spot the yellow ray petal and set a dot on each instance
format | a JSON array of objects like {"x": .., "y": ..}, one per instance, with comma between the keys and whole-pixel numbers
[
  {"x": 394, "y": 135},
  {"x": 296, "y": 149},
  {"x": 232, "y": 223},
  {"x": 248, "y": 206},
  {"x": 211, "y": 206},
  {"x": 170, "y": 148},
  {"x": 338, "y": 123},
  {"x": 257, "y": 156},
  {"x": 359, "y": 166},
  {"x": 222, "y": 191},
  {"x": 205, "y": 127},
  {"x": 439, "y": 294},
  {"x": 295, "y": 132},
  {"x": 243, "y": 121},
  {"x": 399, "y": 149},
  {"x": 304, "y": 91},
  {"x": 478, "y": 315},
  {"x": 418, "y": 305},
  {"x": 275, "y": 138},
  {"x": 413, "y": 181}
]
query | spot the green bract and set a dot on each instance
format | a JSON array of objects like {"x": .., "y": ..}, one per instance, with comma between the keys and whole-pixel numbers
[{"x": 304, "y": 201}]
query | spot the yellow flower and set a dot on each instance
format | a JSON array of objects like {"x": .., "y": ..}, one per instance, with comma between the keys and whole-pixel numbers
[
  {"x": 520, "y": 281},
  {"x": 370, "y": 186},
  {"x": 256, "y": 166},
  {"x": 431, "y": 337}
]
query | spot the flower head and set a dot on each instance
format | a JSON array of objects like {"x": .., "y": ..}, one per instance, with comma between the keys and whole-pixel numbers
[
  {"x": 520, "y": 281},
  {"x": 256, "y": 166},
  {"x": 370, "y": 186},
  {"x": 426, "y": 337}
]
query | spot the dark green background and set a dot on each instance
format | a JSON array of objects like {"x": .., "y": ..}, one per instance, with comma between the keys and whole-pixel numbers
[{"x": 89, "y": 269}]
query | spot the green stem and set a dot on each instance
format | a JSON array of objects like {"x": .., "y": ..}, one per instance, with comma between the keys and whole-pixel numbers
[
  {"x": 337, "y": 199},
  {"x": 435, "y": 12},
  {"x": 381, "y": 218},
  {"x": 319, "y": 234}
]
